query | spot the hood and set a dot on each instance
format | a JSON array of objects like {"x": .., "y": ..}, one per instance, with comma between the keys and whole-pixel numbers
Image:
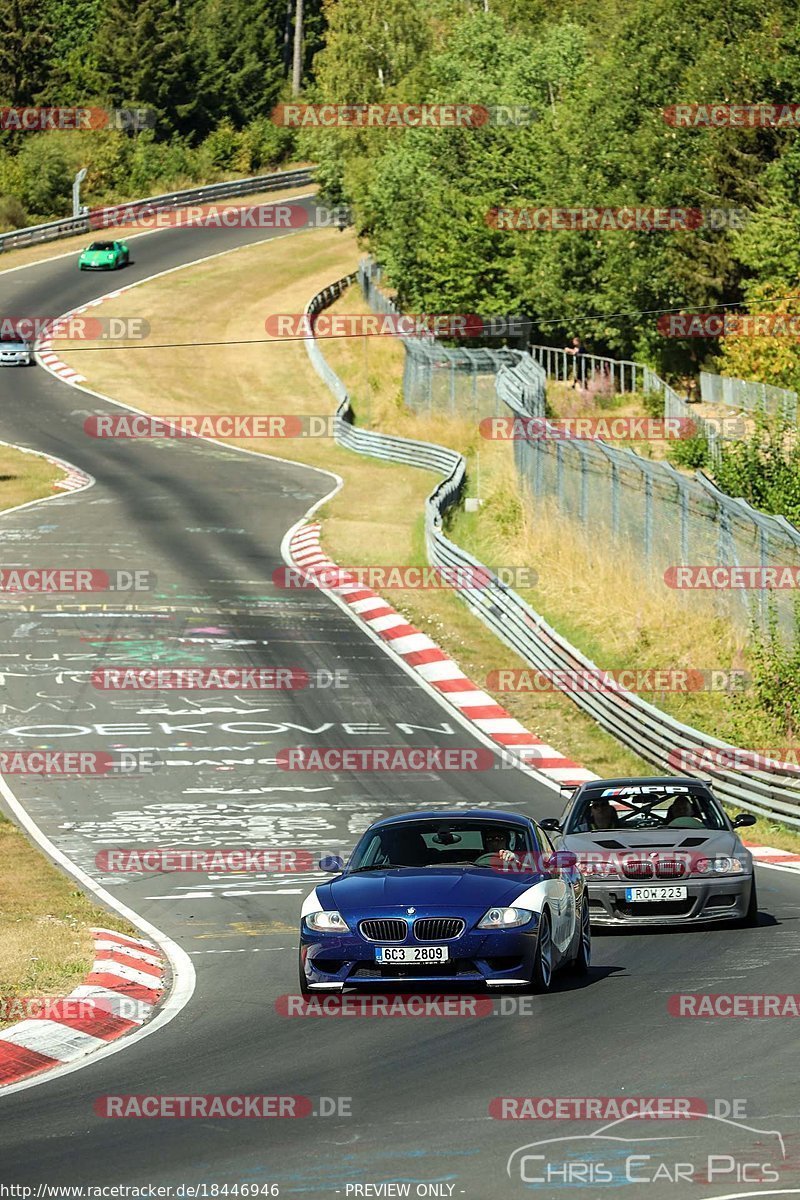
[
  {"x": 429, "y": 888},
  {"x": 98, "y": 255},
  {"x": 694, "y": 844},
  {"x": 697, "y": 841}
]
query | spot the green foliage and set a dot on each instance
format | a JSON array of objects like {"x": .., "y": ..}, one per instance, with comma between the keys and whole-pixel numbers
[
  {"x": 25, "y": 43},
  {"x": 211, "y": 71},
  {"x": 653, "y": 404},
  {"x": 599, "y": 78},
  {"x": 775, "y": 665},
  {"x": 764, "y": 468},
  {"x": 691, "y": 453},
  {"x": 12, "y": 214},
  {"x": 47, "y": 175}
]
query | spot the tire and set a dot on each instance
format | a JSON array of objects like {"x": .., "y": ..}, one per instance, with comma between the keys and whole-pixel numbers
[
  {"x": 750, "y": 919},
  {"x": 582, "y": 962},
  {"x": 542, "y": 974}
]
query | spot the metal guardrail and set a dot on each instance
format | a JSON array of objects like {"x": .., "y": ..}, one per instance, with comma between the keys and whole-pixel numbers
[
  {"x": 67, "y": 226},
  {"x": 645, "y": 729}
]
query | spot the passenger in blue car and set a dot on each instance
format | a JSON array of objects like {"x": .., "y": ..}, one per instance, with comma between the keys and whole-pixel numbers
[{"x": 404, "y": 848}]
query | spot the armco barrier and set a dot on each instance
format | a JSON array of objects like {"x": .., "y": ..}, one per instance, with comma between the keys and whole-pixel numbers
[
  {"x": 648, "y": 731},
  {"x": 68, "y": 226}
]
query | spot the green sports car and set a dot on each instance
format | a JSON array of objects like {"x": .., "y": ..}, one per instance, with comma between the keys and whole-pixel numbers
[{"x": 104, "y": 256}]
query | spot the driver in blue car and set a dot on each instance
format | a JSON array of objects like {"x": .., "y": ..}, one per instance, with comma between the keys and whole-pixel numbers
[{"x": 495, "y": 841}]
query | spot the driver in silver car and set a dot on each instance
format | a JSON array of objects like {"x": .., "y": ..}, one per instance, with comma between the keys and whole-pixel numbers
[{"x": 602, "y": 814}]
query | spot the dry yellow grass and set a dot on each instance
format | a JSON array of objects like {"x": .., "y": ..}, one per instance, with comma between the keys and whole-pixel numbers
[
  {"x": 45, "y": 945},
  {"x": 25, "y": 477}
]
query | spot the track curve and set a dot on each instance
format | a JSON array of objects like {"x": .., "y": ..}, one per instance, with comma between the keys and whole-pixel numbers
[{"x": 209, "y": 522}]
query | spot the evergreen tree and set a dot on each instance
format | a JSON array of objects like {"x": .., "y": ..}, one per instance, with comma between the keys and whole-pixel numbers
[{"x": 25, "y": 45}]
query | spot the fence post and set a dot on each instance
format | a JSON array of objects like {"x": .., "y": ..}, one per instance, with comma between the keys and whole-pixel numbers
[
  {"x": 648, "y": 515},
  {"x": 683, "y": 493}
]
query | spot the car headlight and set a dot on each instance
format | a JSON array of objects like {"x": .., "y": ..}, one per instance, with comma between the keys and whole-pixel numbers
[
  {"x": 327, "y": 922},
  {"x": 592, "y": 869},
  {"x": 504, "y": 918},
  {"x": 722, "y": 865}
]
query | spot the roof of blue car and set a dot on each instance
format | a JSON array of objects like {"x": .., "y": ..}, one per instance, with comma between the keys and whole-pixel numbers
[{"x": 453, "y": 814}]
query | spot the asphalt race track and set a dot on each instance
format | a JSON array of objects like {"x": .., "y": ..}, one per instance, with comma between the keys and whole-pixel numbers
[{"x": 209, "y": 523}]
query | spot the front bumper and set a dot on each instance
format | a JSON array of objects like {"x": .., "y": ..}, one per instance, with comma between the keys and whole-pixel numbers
[
  {"x": 106, "y": 266},
  {"x": 15, "y": 360},
  {"x": 723, "y": 898},
  {"x": 479, "y": 958}
]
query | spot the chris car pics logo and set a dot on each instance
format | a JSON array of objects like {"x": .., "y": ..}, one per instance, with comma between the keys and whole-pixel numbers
[{"x": 713, "y": 1150}]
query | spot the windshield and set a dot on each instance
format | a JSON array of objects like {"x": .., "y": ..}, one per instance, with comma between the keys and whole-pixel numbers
[
  {"x": 102, "y": 246},
  {"x": 15, "y": 338},
  {"x": 433, "y": 844},
  {"x": 646, "y": 807}
]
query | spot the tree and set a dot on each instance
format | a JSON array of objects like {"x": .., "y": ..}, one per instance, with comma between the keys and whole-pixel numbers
[
  {"x": 25, "y": 44},
  {"x": 142, "y": 58}
]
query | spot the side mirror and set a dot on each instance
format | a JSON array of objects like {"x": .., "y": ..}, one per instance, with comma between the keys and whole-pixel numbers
[
  {"x": 562, "y": 860},
  {"x": 331, "y": 863},
  {"x": 742, "y": 819},
  {"x": 551, "y": 824}
]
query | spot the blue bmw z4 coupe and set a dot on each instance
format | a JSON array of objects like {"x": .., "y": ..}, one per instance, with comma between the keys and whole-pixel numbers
[{"x": 474, "y": 898}]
